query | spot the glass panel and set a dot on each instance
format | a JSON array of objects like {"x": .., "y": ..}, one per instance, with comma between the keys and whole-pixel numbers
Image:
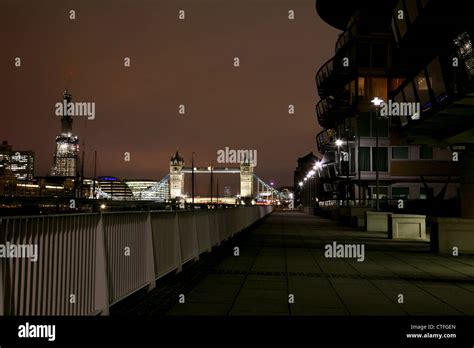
[
  {"x": 426, "y": 152},
  {"x": 399, "y": 99},
  {"x": 377, "y": 88},
  {"x": 382, "y": 126},
  {"x": 379, "y": 56},
  {"x": 363, "y": 55},
  {"x": 400, "y": 192},
  {"x": 353, "y": 90},
  {"x": 394, "y": 29},
  {"x": 412, "y": 10},
  {"x": 364, "y": 158},
  {"x": 353, "y": 158},
  {"x": 422, "y": 88},
  {"x": 395, "y": 83},
  {"x": 364, "y": 124},
  {"x": 409, "y": 93},
  {"x": 424, "y": 2},
  {"x": 423, "y": 194},
  {"x": 401, "y": 18},
  {"x": 436, "y": 78},
  {"x": 361, "y": 87},
  {"x": 399, "y": 152},
  {"x": 382, "y": 159}
]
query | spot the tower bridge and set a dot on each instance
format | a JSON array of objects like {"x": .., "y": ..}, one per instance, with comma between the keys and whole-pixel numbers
[{"x": 251, "y": 186}]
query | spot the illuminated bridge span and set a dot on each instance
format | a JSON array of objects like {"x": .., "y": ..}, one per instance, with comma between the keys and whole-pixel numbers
[{"x": 172, "y": 185}]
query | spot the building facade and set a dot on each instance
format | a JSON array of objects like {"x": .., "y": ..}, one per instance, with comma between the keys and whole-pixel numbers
[
  {"x": 20, "y": 163},
  {"x": 366, "y": 156},
  {"x": 304, "y": 194}
]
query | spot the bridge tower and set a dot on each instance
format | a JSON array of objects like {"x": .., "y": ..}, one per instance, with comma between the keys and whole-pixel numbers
[
  {"x": 176, "y": 176},
  {"x": 246, "y": 178}
]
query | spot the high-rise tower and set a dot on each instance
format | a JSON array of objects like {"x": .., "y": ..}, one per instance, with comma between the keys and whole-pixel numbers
[{"x": 67, "y": 145}]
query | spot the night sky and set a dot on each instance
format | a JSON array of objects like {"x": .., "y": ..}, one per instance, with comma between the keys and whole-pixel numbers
[{"x": 173, "y": 62}]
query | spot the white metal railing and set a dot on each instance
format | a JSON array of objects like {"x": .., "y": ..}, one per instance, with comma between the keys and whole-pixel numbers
[{"x": 87, "y": 262}]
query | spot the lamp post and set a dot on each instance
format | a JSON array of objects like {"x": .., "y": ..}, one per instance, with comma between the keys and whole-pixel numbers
[
  {"x": 339, "y": 143},
  {"x": 192, "y": 180},
  {"x": 377, "y": 102},
  {"x": 212, "y": 182}
]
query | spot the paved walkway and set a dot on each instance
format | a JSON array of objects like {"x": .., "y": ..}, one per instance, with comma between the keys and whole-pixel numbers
[{"x": 285, "y": 255}]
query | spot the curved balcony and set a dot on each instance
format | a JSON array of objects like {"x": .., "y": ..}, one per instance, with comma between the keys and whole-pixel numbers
[
  {"x": 347, "y": 36},
  {"x": 328, "y": 110},
  {"x": 419, "y": 35},
  {"x": 331, "y": 77},
  {"x": 325, "y": 140},
  {"x": 445, "y": 103}
]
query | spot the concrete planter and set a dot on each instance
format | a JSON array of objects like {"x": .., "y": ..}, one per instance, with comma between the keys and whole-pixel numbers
[
  {"x": 376, "y": 221},
  {"x": 407, "y": 226},
  {"x": 358, "y": 216},
  {"x": 450, "y": 233}
]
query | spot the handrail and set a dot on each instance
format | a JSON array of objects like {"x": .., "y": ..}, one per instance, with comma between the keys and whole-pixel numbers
[
  {"x": 347, "y": 35},
  {"x": 326, "y": 68}
]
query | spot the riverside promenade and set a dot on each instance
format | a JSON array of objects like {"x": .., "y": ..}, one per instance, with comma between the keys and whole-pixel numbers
[{"x": 281, "y": 269}]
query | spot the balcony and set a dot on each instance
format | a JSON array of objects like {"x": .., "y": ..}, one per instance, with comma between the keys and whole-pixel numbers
[
  {"x": 325, "y": 140},
  {"x": 366, "y": 56},
  {"x": 347, "y": 36},
  {"x": 446, "y": 103},
  {"x": 419, "y": 33},
  {"x": 331, "y": 77},
  {"x": 328, "y": 110}
]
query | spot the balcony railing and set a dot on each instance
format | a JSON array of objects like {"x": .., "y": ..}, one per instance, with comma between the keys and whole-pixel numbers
[
  {"x": 325, "y": 140},
  {"x": 329, "y": 109},
  {"x": 347, "y": 35},
  {"x": 322, "y": 109},
  {"x": 323, "y": 73}
]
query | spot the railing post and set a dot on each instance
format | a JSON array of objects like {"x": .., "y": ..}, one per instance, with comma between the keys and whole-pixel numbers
[
  {"x": 195, "y": 237},
  {"x": 177, "y": 244},
  {"x": 149, "y": 253},
  {"x": 2, "y": 291},
  {"x": 101, "y": 296}
]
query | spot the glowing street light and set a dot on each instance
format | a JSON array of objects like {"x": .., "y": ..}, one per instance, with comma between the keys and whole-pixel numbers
[
  {"x": 300, "y": 183},
  {"x": 377, "y": 101},
  {"x": 339, "y": 142}
]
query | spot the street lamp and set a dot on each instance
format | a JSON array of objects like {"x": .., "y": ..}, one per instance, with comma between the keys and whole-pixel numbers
[
  {"x": 192, "y": 179},
  {"x": 377, "y": 102}
]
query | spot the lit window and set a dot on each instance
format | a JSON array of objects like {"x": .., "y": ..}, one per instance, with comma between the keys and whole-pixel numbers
[
  {"x": 436, "y": 78},
  {"x": 464, "y": 48},
  {"x": 361, "y": 87}
]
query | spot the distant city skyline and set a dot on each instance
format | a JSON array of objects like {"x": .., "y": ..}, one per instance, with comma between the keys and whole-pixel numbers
[{"x": 172, "y": 63}]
